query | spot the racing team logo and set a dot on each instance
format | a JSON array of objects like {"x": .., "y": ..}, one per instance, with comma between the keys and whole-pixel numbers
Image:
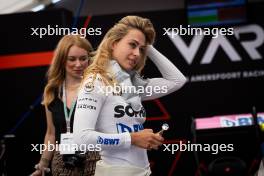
[{"x": 88, "y": 87}]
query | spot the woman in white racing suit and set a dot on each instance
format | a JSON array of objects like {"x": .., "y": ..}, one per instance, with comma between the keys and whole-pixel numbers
[{"x": 109, "y": 113}]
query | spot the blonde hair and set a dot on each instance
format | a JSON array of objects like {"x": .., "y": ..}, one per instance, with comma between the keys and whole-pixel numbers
[
  {"x": 56, "y": 72},
  {"x": 104, "y": 52}
]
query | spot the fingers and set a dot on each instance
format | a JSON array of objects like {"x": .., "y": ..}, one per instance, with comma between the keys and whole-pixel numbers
[
  {"x": 155, "y": 147},
  {"x": 146, "y": 139},
  {"x": 36, "y": 173},
  {"x": 155, "y": 142},
  {"x": 159, "y": 137},
  {"x": 148, "y": 130},
  {"x": 154, "y": 136}
]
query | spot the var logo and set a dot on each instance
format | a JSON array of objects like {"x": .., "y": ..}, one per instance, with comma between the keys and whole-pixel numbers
[{"x": 250, "y": 46}]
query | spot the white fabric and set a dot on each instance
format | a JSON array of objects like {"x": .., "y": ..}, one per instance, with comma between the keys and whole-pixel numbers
[
  {"x": 172, "y": 76},
  {"x": 125, "y": 79},
  {"x": 261, "y": 169},
  {"x": 109, "y": 120}
]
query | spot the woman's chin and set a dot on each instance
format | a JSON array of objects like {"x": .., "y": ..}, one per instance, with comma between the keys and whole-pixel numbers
[
  {"x": 127, "y": 67},
  {"x": 78, "y": 76},
  {"x": 131, "y": 67}
]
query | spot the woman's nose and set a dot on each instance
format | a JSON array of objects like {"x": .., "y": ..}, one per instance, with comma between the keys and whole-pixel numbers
[
  {"x": 78, "y": 63},
  {"x": 136, "y": 52}
]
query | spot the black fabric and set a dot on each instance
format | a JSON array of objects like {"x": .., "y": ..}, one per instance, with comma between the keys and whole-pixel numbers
[{"x": 56, "y": 108}]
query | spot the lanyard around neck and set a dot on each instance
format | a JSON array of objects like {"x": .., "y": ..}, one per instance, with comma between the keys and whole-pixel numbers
[{"x": 66, "y": 115}]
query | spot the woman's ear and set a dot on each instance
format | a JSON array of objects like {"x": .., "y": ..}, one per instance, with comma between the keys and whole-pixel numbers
[{"x": 113, "y": 45}]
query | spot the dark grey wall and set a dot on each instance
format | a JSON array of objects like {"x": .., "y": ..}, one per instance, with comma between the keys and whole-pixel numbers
[{"x": 104, "y": 7}]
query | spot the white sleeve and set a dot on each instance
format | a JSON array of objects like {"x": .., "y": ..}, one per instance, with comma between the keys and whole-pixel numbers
[
  {"x": 172, "y": 79},
  {"x": 89, "y": 104}
]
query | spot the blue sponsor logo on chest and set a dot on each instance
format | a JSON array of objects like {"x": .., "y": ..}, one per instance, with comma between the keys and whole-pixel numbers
[{"x": 121, "y": 128}]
